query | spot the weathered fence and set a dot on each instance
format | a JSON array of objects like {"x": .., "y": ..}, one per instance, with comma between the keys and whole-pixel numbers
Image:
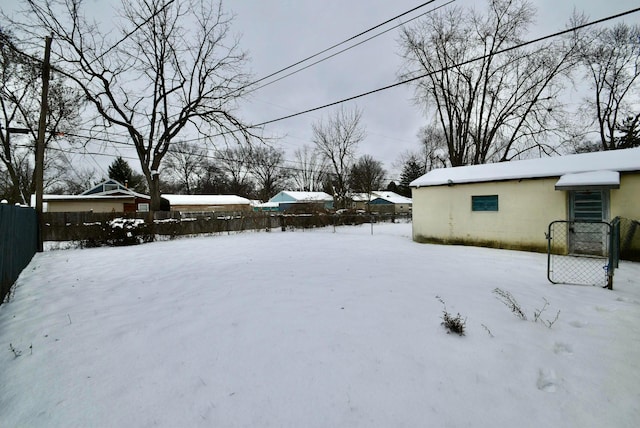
[
  {"x": 18, "y": 243},
  {"x": 94, "y": 229}
]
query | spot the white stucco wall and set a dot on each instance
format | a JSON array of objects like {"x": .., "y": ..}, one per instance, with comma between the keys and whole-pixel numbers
[
  {"x": 625, "y": 201},
  {"x": 526, "y": 207}
]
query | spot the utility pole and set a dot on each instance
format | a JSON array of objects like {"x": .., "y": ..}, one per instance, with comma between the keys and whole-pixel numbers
[{"x": 42, "y": 125}]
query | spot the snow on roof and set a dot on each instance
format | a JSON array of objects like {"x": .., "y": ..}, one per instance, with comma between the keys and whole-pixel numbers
[
  {"x": 206, "y": 200},
  {"x": 609, "y": 179},
  {"x": 615, "y": 160},
  {"x": 363, "y": 197},
  {"x": 309, "y": 196},
  {"x": 392, "y": 197},
  {"x": 384, "y": 194}
]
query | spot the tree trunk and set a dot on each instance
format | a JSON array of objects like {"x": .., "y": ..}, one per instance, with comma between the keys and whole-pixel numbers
[{"x": 154, "y": 192}]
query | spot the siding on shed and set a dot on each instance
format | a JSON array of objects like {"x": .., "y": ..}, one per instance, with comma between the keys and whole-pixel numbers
[{"x": 526, "y": 207}]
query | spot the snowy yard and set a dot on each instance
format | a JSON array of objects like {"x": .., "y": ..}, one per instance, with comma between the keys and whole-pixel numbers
[{"x": 313, "y": 329}]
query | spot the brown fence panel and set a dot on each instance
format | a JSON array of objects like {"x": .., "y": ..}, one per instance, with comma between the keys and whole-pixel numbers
[{"x": 94, "y": 229}]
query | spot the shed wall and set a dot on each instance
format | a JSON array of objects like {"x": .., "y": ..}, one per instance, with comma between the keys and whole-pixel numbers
[
  {"x": 625, "y": 201},
  {"x": 525, "y": 209}
]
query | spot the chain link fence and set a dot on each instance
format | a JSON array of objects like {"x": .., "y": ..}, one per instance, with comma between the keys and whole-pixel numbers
[
  {"x": 579, "y": 253},
  {"x": 588, "y": 252}
]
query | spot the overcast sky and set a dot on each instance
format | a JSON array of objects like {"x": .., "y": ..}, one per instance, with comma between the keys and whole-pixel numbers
[{"x": 278, "y": 33}]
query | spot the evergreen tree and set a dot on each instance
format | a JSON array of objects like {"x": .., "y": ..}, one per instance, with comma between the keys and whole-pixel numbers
[
  {"x": 393, "y": 187},
  {"x": 412, "y": 169},
  {"x": 120, "y": 171},
  {"x": 630, "y": 129}
]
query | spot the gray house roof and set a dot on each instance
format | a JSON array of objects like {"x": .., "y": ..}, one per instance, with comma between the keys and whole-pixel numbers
[{"x": 617, "y": 160}]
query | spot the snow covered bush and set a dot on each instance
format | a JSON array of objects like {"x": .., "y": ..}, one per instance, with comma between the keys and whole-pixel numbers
[
  {"x": 118, "y": 232},
  {"x": 127, "y": 231}
]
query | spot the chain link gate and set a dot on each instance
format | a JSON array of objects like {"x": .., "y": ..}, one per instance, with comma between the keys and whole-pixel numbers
[{"x": 582, "y": 252}]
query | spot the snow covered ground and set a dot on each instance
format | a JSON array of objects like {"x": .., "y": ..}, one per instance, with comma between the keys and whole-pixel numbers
[{"x": 313, "y": 329}]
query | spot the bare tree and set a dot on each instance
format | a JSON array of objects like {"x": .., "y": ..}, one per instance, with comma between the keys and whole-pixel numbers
[
  {"x": 336, "y": 139},
  {"x": 185, "y": 165},
  {"x": 72, "y": 180},
  {"x": 173, "y": 70},
  {"x": 235, "y": 163},
  {"x": 367, "y": 175},
  {"x": 309, "y": 173},
  {"x": 212, "y": 181},
  {"x": 611, "y": 57},
  {"x": 267, "y": 169},
  {"x": 20, "y": 86},
  {"x": 433, "y": 149},
  {"x": 490, "y": 104}
]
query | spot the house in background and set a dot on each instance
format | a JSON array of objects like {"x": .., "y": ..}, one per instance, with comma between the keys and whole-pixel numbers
[
  {"x": 382, "y": 201},
  {"x": 511, "y": 204},
  {"x": 208, "y": 203},
  {"x": 385, "y": 202},
  {"x": 289, "y": 200},
  {"x": 266, "y": 206},
  {"x": 359, "y": 201},
  {"x": 108, "y": 196}
]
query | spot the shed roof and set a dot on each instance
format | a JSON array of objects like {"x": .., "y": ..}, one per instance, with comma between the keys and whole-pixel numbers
[
  {"x": 593, "y": 179},
  {"x": 615, "y": 160},
  {"x": 206, "y": 200}
]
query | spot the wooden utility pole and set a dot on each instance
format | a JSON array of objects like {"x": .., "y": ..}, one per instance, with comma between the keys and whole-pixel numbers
[{"x": 42, "y": 126}]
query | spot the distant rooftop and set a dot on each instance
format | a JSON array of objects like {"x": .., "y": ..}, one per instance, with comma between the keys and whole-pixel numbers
[{"x": 206, "y": 200}]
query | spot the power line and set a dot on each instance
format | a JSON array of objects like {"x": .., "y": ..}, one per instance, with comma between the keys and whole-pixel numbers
[
  {"x": 296, "y": 63},
  {"x": 559, "y": 33},
  {"x": 404, "y": 82},
  {"x": 216, "y": 157},
  {"x": 343, "y": 50},
  {"x": 338, "y": 44}
]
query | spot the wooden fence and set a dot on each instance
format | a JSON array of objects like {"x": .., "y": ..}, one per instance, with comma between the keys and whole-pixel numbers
[{"x": 95, "y": 229}]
